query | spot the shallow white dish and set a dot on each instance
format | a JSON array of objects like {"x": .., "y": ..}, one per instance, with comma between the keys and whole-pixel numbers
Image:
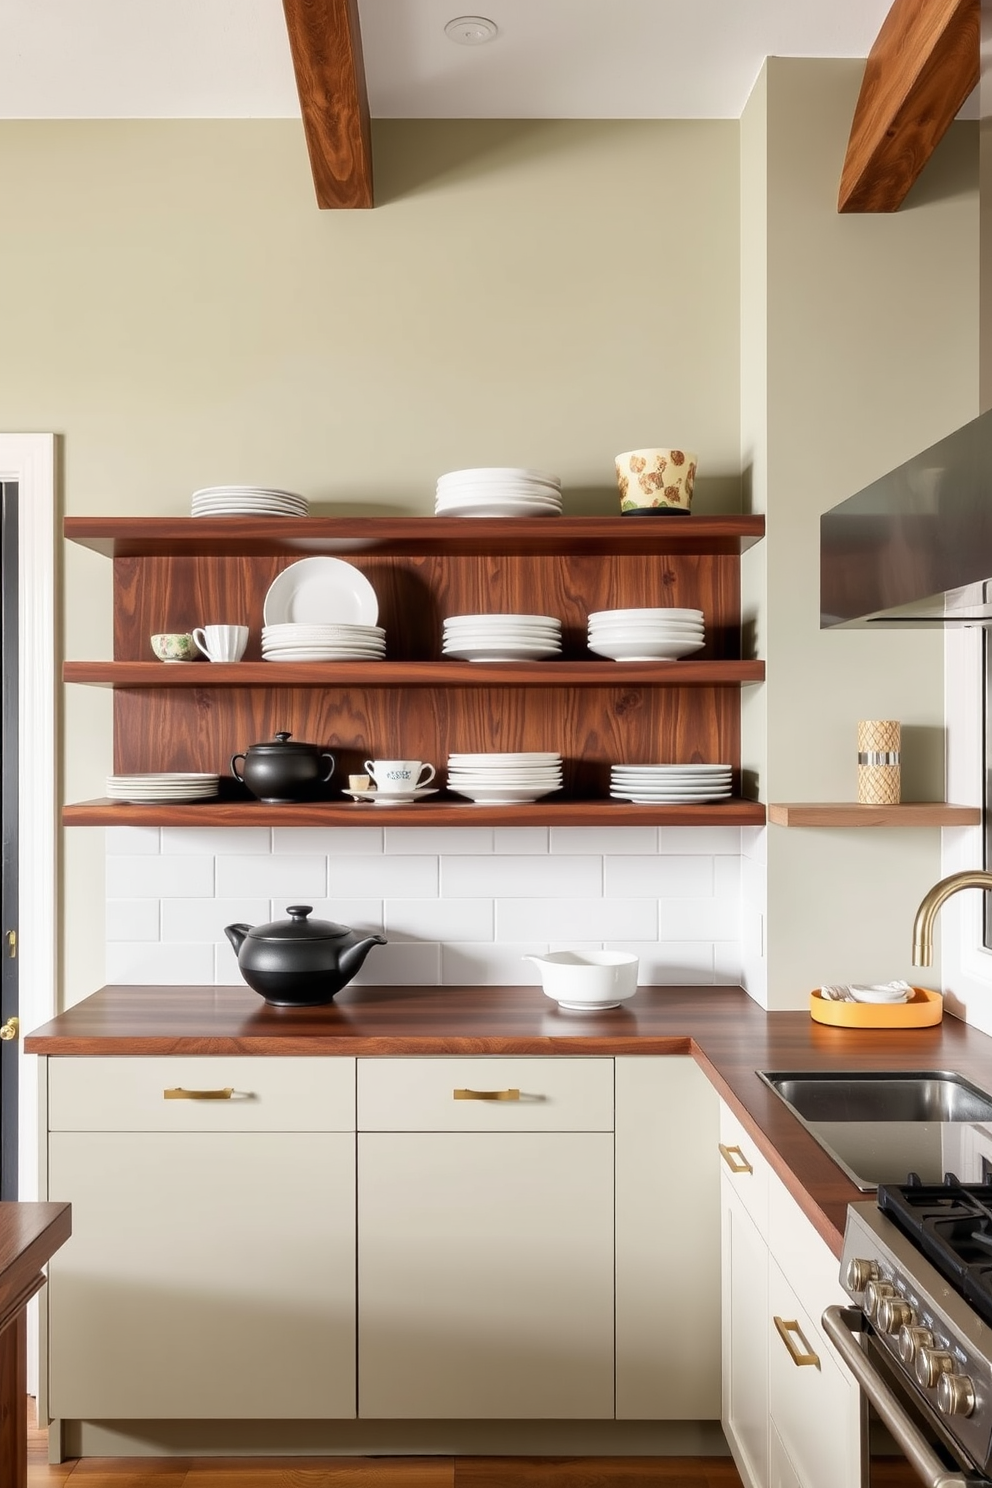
[
  {"x": 324, "y": 653},
  {"x": 392, "y": 798},
  {"x": 500, "y": 473},
  {"x": 661, "y": 613},
  {"x": 499, "y": 795},
  {"x": 320, "y": 591},
  {"x": 498, "y": 509},
  {"x": 690, "y": 798},
  {"x": 509, "y": 758},
  {"x": 501, "y": 653},
  {"x": 645, "y": 650}
]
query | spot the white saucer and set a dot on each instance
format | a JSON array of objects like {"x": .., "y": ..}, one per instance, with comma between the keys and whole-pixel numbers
[{"x": 393, "y": 798}]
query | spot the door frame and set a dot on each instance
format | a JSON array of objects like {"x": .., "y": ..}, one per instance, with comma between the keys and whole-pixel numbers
[{"x": 29, "y": 459}]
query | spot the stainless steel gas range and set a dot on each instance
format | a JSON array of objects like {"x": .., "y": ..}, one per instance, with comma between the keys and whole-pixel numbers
[{"x": 918, "y": 1267}]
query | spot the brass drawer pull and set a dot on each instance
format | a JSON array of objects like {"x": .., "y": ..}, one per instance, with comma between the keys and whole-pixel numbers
[
  {"x": 504, "y": 1095},
  {"x": 729, "y": 1154},
  {"x": 180, "y": 1094},
  {"x": 798, "y": 1357}
]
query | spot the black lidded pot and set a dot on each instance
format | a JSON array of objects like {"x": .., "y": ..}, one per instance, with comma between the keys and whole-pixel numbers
[{"x": 281, "y": 771}]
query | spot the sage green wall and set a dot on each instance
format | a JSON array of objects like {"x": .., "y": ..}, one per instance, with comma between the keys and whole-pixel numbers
[
  {"x": 178, "y": 310},
  {"x": 867, "y": 353}
]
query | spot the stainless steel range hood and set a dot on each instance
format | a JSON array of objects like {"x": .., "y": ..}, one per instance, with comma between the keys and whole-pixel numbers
[{"x": 914, "y": 549}]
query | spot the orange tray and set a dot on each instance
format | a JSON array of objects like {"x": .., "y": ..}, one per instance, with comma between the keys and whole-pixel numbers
[{"x": 923, "y": 1010}]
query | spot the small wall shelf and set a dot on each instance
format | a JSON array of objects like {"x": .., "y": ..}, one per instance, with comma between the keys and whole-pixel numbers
[{"x": 853, "y": 814}]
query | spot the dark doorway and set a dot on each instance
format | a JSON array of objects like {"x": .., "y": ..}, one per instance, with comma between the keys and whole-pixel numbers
[{"x": 9, "y": 1050}]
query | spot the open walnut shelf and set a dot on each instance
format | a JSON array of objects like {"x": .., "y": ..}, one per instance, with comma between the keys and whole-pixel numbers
[
  {"x": 853, "y": 814},
  {"x": 175, "y": 573},
  {"x": 364, "y": 674},
  {"x": 444, "y": 813}
]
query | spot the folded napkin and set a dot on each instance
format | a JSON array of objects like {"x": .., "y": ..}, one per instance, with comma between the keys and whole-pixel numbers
[{"x": 868, "y": 992}]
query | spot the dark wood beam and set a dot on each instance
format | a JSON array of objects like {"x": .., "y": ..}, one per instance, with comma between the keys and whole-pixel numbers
[
  {"x": 923, "y": 65},
  {"x": 326, "y": 43}
]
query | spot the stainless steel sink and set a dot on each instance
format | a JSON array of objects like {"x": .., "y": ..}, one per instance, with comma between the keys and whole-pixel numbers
[
  {"x": 930, "y": 1095},
  {"x": 881, "y": 1126}
]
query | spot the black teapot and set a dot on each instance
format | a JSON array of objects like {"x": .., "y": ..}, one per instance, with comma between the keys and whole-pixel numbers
[
  {"x": 280, "y": 771},
  {"x": 299, "y": 962}
]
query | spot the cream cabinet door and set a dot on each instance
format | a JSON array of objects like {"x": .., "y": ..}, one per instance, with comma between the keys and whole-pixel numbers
[
  {"x": 209, "y": 1275},
  {"x": 668, "y": 1241},
  {"x": 745, "y": 1339},
  {"x": 485, "y": 1275}
]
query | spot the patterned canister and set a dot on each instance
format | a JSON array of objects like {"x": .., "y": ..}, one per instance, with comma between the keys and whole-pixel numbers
[{"x": 879, "y": 761}]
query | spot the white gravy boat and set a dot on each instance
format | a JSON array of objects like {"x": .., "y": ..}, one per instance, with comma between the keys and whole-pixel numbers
[{"x": 587, "y": 980}]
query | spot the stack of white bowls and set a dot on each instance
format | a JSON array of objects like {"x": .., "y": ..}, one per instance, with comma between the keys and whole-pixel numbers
[
  {"x": 498, "y": 491},
  {"x": 247, "y": 501},
  {"x": 661, "y": 785},
  {"x": 646, "y": 635},
  {"x": 339, "y": 642},
  {"x": 501, "y": 637},
  {"x": 166, "y": 787},
  {"x": 504, "y": 779}
]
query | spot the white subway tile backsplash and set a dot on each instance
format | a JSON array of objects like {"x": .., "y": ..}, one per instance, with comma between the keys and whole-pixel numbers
[
  {"x": 520, "y": 839},
  {"x": 458, "y": 905},
  {"x": 147, "y": 877},
  {"x": 216, "y": 840},
  {"x": 204, "y": 919},
  {"x": 452, "y": 840},
  {"x": 146, "y": 964},
  {"x": 383, "y": 877},
  {"x": 133, "y": 919},
  {"x": 490, "y": 965},
  {"x": 713, "y": 840},
  {"x": 327, "y": 840},
  {"x": 439, "y": 919},
  {"x": 263, "y": 877},
  {"x": 403, "y": 963},
  {"x": 754, "y": 843},
  {"x": 544, "y": 877},
  {"x": 572, "y": 920},
  {"x": 604, "y": 839},
  {"x": 129, "y": 841},
  {"x": 640, "y": 876}
]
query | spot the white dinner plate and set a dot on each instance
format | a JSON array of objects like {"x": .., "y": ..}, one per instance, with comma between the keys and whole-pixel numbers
[
  {"x": 642, "y": 799},
  {"x": 500, "y": 473},
  {"x": 323, "y": 653},
  {"x": 499, "y": 509},
  {"x": 662, "y": 613},
  {"x": 502, "y": 795},
  {"x": 501, "y": 653},
  {"x": 504, "y": 757},
  {"x": 320, "y": 591},
  {"x": 646, "y": 650}
]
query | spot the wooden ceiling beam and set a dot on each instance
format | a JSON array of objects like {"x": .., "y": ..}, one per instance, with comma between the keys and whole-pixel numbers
[
  {"x": 326, "y": 44},
  {"x": 923, "y": 65}
]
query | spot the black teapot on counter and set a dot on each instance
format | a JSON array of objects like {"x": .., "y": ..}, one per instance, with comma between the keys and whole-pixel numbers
[
  {"x": 280, "y": 771},
  {"x": 299, "y": 962}
]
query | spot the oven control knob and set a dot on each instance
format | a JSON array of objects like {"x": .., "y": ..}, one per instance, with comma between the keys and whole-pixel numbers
[
  {"x": 911, "y": 1340},
  {"x": 874, "y": 1292},
  {"x": 955, "y": 1395},
  {"x": 893, "y": 1314},
  {"x": 930, "y": 1364},
  {"x": 860, "y": 1272}
]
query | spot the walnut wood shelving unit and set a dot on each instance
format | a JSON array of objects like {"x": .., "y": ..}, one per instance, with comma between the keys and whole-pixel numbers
[
  {"x": 853, "y": 814},
  {"x": 175, "y": 573}
]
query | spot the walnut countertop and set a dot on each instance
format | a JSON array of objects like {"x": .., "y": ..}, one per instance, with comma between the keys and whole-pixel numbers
[{"x": 727, "y": 1033}]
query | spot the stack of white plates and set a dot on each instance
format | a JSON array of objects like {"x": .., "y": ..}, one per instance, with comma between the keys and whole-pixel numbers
[
  {"x": 165, "y": 787},
  {"x": 661, "y": 785},
  {"x": 646, "y": 635},
  {"x": 318, "y": 592},
  {"x": 501, "y": 637},
  {"x": 247, "y": 501},
  {"x": 323, "y": 642},
  {"x": 498, "y": 491},
  {"x": 504, "y": 779}
]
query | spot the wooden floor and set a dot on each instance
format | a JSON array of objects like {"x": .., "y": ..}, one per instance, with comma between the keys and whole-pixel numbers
[{"x": 380, "y": 1472}]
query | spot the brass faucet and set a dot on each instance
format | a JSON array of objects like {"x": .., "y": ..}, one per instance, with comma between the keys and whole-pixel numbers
[{"x": 971, "y": 878}]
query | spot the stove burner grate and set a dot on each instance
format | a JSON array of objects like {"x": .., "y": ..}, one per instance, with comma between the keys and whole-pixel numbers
[{"x": 951, "y": 1223}]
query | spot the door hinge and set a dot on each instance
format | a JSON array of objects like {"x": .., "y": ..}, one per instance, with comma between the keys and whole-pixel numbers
[{"x": 11, "y": 938}]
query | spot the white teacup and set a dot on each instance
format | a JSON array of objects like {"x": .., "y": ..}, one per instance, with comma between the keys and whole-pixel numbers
[
  {"x": 222, "y": 642},
  {"x": 398, "y": 777}
]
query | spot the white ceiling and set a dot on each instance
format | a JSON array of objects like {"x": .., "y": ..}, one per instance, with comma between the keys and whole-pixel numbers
[{"x": 610, "y": 59}]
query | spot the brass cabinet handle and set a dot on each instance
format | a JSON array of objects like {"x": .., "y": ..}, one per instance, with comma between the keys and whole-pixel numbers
[
  {"x": 730, "y": 1154},
  {"x": 9, "y": 1029},
  {"x": 798, "y": 1357},
  {"x": 505, "y": 1095},
  {"x": 180, "y": 1094},
  {"x": 11, "y": 939}
]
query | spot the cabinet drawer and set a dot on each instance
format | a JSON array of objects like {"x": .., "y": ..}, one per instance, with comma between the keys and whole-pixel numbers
[
  {"x": 805, "y": 1258},
  {"x": 743, "y": 1167},
  {"x": 277, "y": 1094},
  {"x": 483, "y": 1094}
]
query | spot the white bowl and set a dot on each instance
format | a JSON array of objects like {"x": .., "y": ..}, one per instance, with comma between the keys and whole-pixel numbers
[{"x": 587, "y": 981}]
